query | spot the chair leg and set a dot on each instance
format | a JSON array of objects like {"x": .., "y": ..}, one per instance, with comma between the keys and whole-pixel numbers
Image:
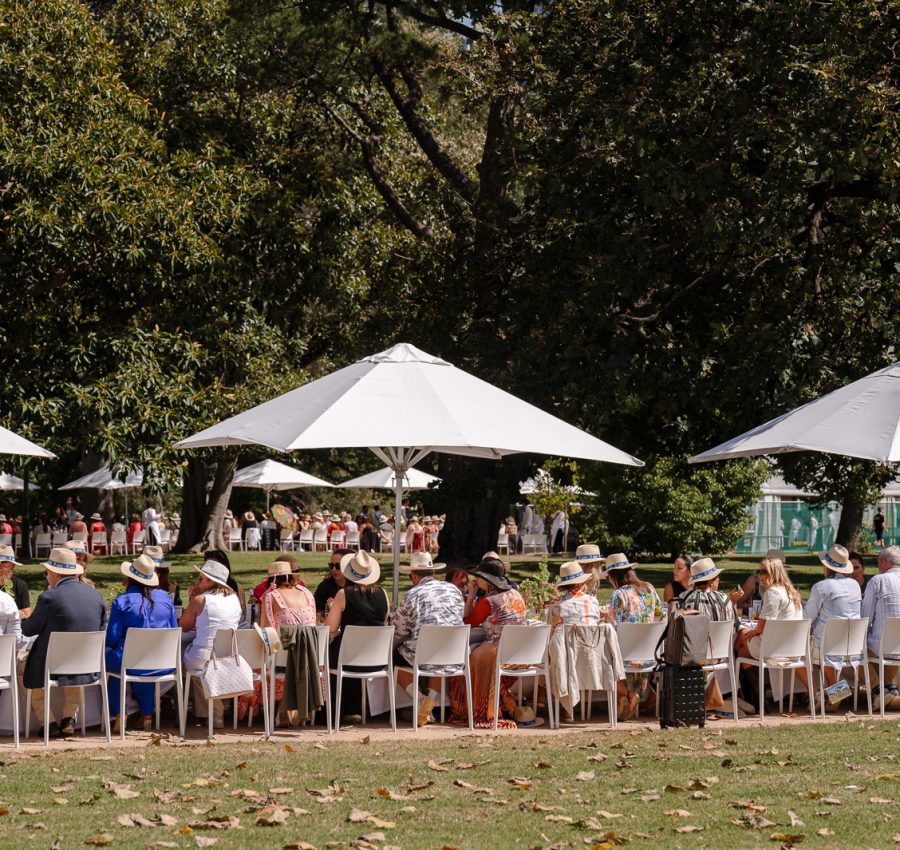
[
  {"x": 104, "y": 702},
  {"x": 443, "y": 699},
  {"x": 809, "y": 678},
  {"x": 496, "y": 697},
  {"x": 550, "y": 716},
  {"x": 28, "y": 712},
  {"x": 868, "y": 685},
  {"x": 179, "y": 695},
  {"x": 393, "y": 697},
  {"x": 156, "y": 704},
  {"x": 47, "y": 692},
  {"x": 234, "y": 713},
  {"x": 337, "y": 701},
  {"x": 469, "y": 699},
  {"x": 82, "y": 712},
  {"x": 614, "y": 708},
  {"x": 267, "y": 709},
  {"x": 734, "y": 690},
  {"x": 122, "y": 704},
  {"x": 14, "y": 693},
  {"x": 762, "y": 690},
  {"x": 362, "y": 690},
  {"x": 185, "y": 698},
  {"x": 210, "y": 719},
  {"x": 881, "y": 683}
]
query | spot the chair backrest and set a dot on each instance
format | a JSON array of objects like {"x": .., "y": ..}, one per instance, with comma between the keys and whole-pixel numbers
[
  {"x": 139, "y": 536},
  {"x": 352, "y": 538},
  {"x": 306, "y": 535},
  {"x": 442, "y": 645},
  {"x": 99, "y": 537},
  {"x": 845, "y": 637},
  {"x": 253, "y": 537},
  {"x": 165, "y": 535},
  {"x": 6, "y": 539},
  {"x": 523, "y": 645},
  {"x": 637, "y": 641},
  {"x": 234, "y": 535},
  {"x": 503, "y": 539},
  {"x": 890, "y": 638},
  {"x": 785, "y": 639},
  {"x": 60, "y": 538},
  {"x": 287, "y": 534},
  {"x": 42, "y": 538},
  {"x": 320, "y": 535},
  {"x": 7, "y": 656},
  {"x": 118, "y": 537},
  {"x": 721, "y": 638},
  {"x": 151, "y": 649},
  {"x": 338, "y": 538},
  {"x": 80, "y": 535},
  {"x": 324, "y": 635},
  {"x": 366, "y": 646},
  {"x": 251, "y": 648},
  {"x": 73, "y": 653},
  {"x": 222, "y": 642}
]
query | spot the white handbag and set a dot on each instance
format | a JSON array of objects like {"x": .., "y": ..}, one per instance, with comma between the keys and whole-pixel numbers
[{"x": 227, "y": 676}]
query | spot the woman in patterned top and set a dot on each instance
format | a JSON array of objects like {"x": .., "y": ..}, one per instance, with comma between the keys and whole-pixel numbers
[
  {"x": 575, "y": 605},
  {"x": 632, "y": 601}
]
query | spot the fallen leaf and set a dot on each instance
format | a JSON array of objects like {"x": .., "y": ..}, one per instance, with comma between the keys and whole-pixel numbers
[
  {"x": 62, "y": 789},
  {"x": 281, "y": 790},
  {"x": 826, "y": 831},
  {"x": 388, "y": 794},
  {"x": 759, "y": 822},
  {"x": 299, "y": 845},
  {"x": 205, "y": 840},
  {"x": 597, "y": 757},
  {"x": 700, "y": 795},
  {"x": 437, "y": 766},
  {"x": 276, "y": 818},
  {"x": 673, "y": 789},
  {"x": 122, "y": 792},
  {"x": 289, "y": 749},
  {"x": 475, "y": 789},
  {"x": 100, "y": 840},
  {"x": 223, "y": 822},
  {"x": 61, "y": 801},
  {"x": 520, "y": 782},
  {"x": 585, "y": 776},
  {"x": 679, "y": 813},
  {"x": 790, "y": 837},
  {"x": 381, "y": 823},
  {"x": 794, "y": 818},
  {"x": 358, "y": 816},
  {"x": 32, "y": 811},
  {"x": 689, "y": 828},
  {"x": 609, "y": 815},
  {"x": 465, "y": 765},
  {"x": 559, "y": 819},
  {"x": 542, "y": 765},
  {"x": 880, "y": 800}
]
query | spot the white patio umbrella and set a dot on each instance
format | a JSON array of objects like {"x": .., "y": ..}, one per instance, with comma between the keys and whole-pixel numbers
[
  {"x": 13, "y": 444},
  {"x": 271, "y": 475},
  {"x": 860, "y": 420},
  {"x": 13, "y": 482},
  {"x": 386, "y": 479},
  {"x": 103, "y": 479},
  {"x": 403, "y": 404}
]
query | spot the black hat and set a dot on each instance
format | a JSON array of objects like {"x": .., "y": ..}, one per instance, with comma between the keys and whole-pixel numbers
[{"x": 493, "y": 571}]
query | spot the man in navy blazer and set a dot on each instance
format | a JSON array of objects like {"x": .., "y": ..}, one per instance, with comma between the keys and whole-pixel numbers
[{"x": 67, "y": 605}]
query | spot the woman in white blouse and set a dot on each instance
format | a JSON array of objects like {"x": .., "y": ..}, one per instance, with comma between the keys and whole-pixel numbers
[{"x": 780, "y": 601}]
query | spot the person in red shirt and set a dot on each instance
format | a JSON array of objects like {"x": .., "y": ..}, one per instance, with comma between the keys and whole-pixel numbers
[
  {"x": 97, "y": 525},
  {"x": 5, "y": 527},
  {"x": 134, "y": 525}
]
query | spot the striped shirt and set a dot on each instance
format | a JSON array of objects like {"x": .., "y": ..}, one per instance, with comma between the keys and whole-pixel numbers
[{"x": 882, "y": 600}]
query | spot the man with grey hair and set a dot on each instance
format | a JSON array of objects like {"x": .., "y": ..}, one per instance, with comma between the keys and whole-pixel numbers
[{"x": 882, "y": 600}]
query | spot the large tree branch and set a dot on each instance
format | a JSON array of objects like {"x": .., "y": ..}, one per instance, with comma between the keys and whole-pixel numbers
[{"x": 439, "y": 19}]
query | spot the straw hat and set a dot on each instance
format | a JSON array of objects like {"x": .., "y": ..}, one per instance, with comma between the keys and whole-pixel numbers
[
  {"x": 588, "y": 553},
  {"x": 63, "y": 562},
  {"x": 318, "y": 516},
  {"x": 96, "y": 516},
  {"x": 492, "y": 571},
  {"x": 420, "y": 562},
  {"x": 155, "y": 553},
  {"x": 249, "y": 516},
  {"x": 703, "y": 569},
  {"x": 617, "y": 561},
  {"x": 214, "y": 571},
  {"x": 777, "y": 554},
  {"x": 8, "y": 555},
  {"x": 571, "y": 573},
  {"x": 80, "y": 547},
  {"x": 142, "y": 569},
  {"x": 360, "y": 567},
  {"x": 837, "y": 559},
  {"x": 229, "y": 514},
  {"x": 78, "y": 516},
  {"x": 280, "y": 568},
  {"x": 270, "y": 638}
]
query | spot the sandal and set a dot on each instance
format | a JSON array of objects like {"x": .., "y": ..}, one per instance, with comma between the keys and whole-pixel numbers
[{"x": 147, "y": 722}]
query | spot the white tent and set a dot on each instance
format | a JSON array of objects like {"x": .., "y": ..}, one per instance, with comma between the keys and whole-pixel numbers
[
  {"x": 271, "y": 475},
  {"x": 403, "y": 404},
  {"x": 541, "y": 480},
  {"x": 13, "y": 444},
  {"x": 13, "y": 482},
  {"x": 776, "y": 486},
  {"x": 386, "y": 479},
  {"x": 103, "y": 479},
  {"x": 860, "y": 420}
]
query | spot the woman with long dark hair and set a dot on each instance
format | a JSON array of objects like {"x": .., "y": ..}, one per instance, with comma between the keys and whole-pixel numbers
[{"x": 142, "y": 605}]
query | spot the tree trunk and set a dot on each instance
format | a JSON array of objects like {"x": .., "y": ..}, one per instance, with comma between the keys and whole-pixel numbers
[
  {"x": 853, "y": 505},
  {"x": 214, "y": 519},
  {"x": 193, "y": 503}
]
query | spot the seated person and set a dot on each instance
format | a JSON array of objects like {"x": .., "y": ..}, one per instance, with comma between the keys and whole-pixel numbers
[{"x": 575, "y": 605}]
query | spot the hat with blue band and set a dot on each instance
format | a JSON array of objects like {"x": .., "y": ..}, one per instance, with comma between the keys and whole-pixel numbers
[
  {"x": 8, "y": 555},
  {"x": 703, "y": 569},
  {"x": 588, "y": 553},
  {"x": 142, "y": 570},
  {"x": 572, "y": 573},
  {"x": 63, "y": 562},
  {"x": 617, "y": 561},
  {"x": 361, "y": 567},
  {"x": 837, "y": 559}
]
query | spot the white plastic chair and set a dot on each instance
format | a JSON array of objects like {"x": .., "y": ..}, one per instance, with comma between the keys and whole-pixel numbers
[
  {"x": 637, "y": 642},
  {"x": 888, "y": 651},
  {"x": 42, "y": 542},
  {"x": 441, "y": 646},
  {"x": 286, "y": 539},
  {"x": 165, "y": 539},
  {"x": 338, "y": 540},
  {"x": 304, "y": 540},
  {"x": 320, "y": 538},
  {"x": 503, "y": 543},
  {"x": 151, "y": 649},
  {"x": 279, "y": 660},
  {"x": 721, "y": 656},
  {"x": 137, "y": 541},
  {"x": 255, "y": 653},
  {"x": 366, "y": 646},
  {"x": 80, "y": 535},
  {"x": 525, "y": 646},
  {"x": 784, "y": 646},
  {"x": 845, "y": 640},
  {"x": 352, "y": 541},
  {"x": 252, "y": 541},
  {"x": 17, "y": 546},
  {"x": 60, "y": 538},
  {"x": 6, "y": 540},
  {"x": 73, "y": 654},
  {"x": 8, "y": 679},
  {"x": 235, "y": 539},
  {"x": 98, "y": 541},
  {"x": 118, "y": 543}
]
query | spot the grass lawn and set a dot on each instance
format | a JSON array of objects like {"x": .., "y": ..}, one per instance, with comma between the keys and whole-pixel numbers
[
  {"x": 827, "y": 785},
  {"x": 250, "y": 569}
]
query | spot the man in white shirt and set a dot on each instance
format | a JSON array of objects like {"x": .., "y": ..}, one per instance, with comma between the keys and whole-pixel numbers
[
  {"x": 882, "y": 600},
  {"x": 150, "y": 524}
]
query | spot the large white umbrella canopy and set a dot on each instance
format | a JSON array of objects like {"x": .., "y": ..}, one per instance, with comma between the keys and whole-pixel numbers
[
  {"x": 272, "y": 475},
  {"x": 860, "y": 420},
  {"x": 403, "y": 404},
  {"x": 103, "y": 479},
  {"x": 13, "y": 482},
  {"x": 13, "y": 444},
  {"x": 386, "y": 479}
]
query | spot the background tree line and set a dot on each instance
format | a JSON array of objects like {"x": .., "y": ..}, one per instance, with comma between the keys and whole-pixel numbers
[{"x": 663, "y": 221}]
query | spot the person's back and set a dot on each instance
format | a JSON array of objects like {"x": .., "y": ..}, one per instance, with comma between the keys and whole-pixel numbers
[
  {"x": 714, "y": 603},
  {"x": 882, "y": 599},
  {"x": 364, "y": 606}
]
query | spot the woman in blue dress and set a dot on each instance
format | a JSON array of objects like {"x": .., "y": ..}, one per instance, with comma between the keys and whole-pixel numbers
[{"x": 141, "y": 605}]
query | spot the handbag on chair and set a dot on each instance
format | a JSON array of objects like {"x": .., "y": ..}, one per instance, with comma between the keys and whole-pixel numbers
[{"x": 227, "y": 676}]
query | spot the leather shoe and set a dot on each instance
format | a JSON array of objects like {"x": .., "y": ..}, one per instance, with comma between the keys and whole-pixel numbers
[
  {"x": 67, "y": 726},
  {"x": 53, "y": 730}
]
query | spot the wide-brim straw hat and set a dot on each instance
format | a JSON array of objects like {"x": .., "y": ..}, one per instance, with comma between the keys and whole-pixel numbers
[
  {"x": 8, "y": 556},
  {"x": 250, "y": 516},
  {"x": 63, "y": 562},
  {"x": 229, "y": 515},
  {"x": 492, "y": 571},
  {"x": 154, "y": 553},
  {"x": 703, "y": 569},
  {"x": 80, "y": 547},
  {"x": 421, "y": 562},
  {"x": 837, "y": 559},
  {"x": 617, "y": 561},
  {"x": 280, "y": 568},
  {"x": 97, "y": 517},
  {"x": 588, "y": 553},
  {"x": 776, "y": 554},
  {"x": 360, "y": 567},
  {"x": 271, "y": 638},
  {"x": 142, "y": 569},
  {"x": 571, "y": 573},
  {"x": 214, "y": 571}
]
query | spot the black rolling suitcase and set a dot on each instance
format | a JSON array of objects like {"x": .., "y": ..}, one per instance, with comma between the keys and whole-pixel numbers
[{"x": 682, "y": 696}]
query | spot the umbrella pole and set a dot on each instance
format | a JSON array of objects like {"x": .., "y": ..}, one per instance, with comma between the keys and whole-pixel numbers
[{"x": 398, "y": 504}]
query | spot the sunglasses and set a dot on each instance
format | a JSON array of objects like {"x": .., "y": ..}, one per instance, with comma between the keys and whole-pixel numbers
[{"x": 762, "y": 572}]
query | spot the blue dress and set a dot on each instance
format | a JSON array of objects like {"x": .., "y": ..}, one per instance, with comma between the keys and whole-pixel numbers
[{"x": 130, "y": 609}]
